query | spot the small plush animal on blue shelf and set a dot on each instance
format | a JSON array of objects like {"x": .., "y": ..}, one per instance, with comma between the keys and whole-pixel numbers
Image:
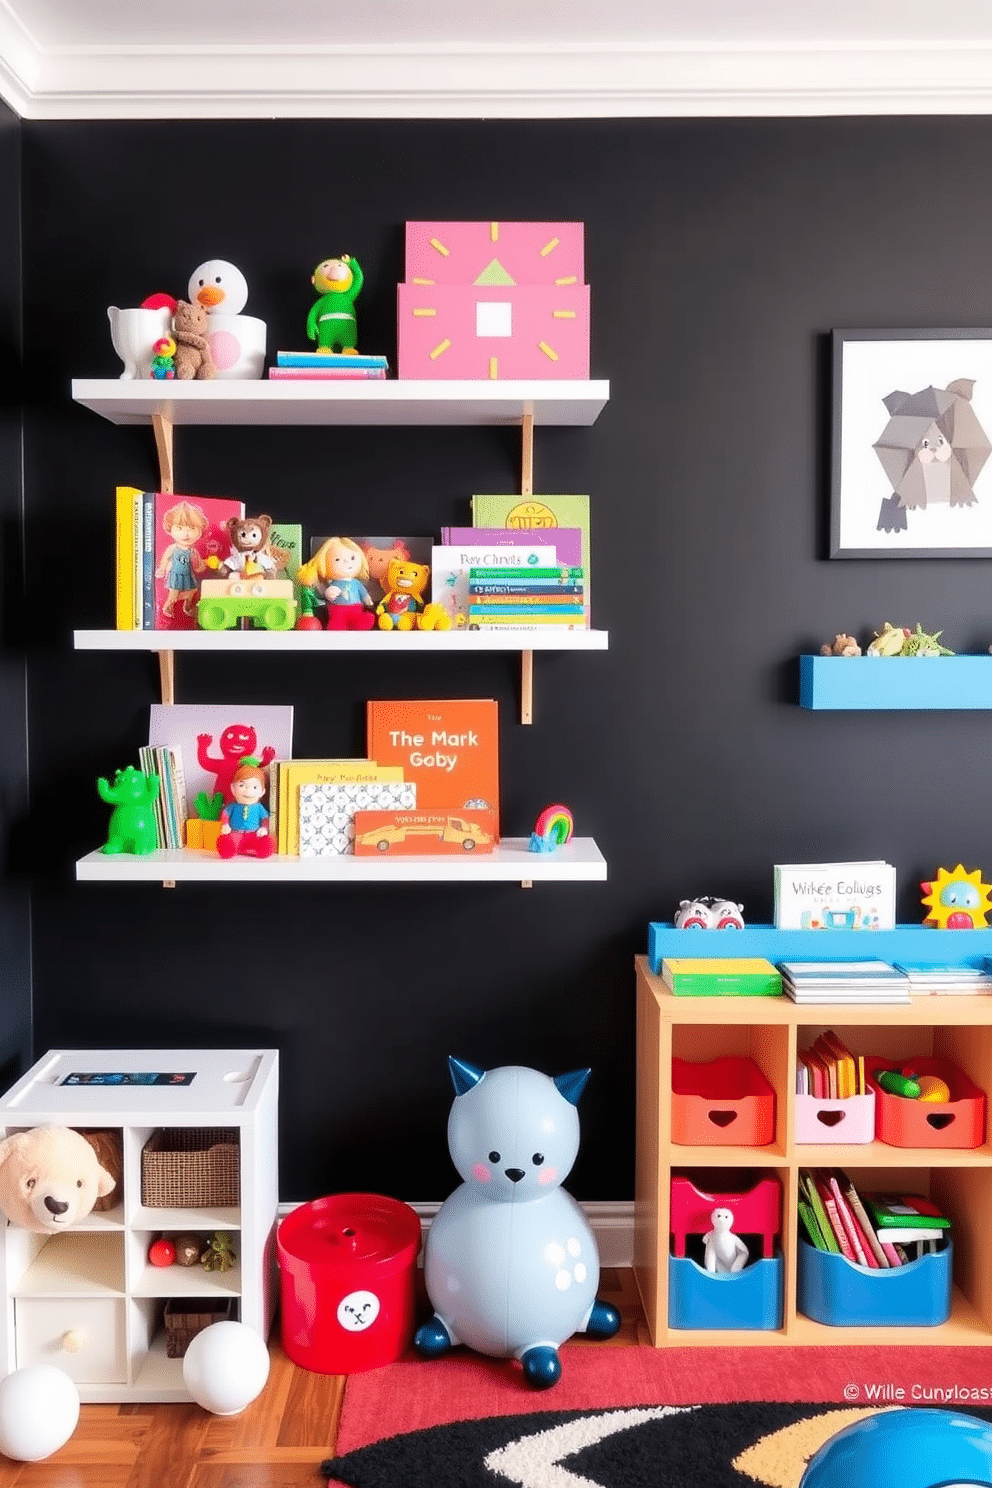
[{"x": 511, "y": 1263}]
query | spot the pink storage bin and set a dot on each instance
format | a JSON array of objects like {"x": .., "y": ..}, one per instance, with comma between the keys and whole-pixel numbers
[{"x": 841, "y": 1121}]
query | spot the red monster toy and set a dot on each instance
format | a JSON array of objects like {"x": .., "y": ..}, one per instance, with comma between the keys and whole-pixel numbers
[{"x": 236, "y": 744}]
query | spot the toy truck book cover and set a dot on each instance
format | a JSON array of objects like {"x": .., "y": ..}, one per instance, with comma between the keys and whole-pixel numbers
[
  {"x": 421, "y": 833},
  {"x": 449, "y": 746}
]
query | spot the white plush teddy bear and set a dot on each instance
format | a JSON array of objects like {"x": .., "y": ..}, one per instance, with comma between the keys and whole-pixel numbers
[
  {"x": 724, "y": 1251},
  {"x": 50, "y": 1178}
]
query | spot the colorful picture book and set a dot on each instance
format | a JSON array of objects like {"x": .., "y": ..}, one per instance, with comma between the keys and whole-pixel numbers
[
  {"x": 540, "y": 597},
  {"x": 936, "y": 978},
  {"x": 179, "y": 535},
  {"x": 380, "y": 552},
  {"x": 834, "y": 896},
  {"x": 316, "y": 364},
  {"x": 537, "y": 517},
  {"x": 869, "y": 980},
  {"x": 449, "y": 747},
  {"x": 451, "y": 568},
  {"x": 212, "y": 739},
  {"x": 327, "y": 812},
  {"x": 720, "y": 976},
  {"x": 421, "y": 833},
  {"x": 567, "y": 541}
]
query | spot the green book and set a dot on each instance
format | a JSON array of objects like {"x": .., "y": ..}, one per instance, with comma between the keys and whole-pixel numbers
[
  {"x": 721, "y": 976},
  {"x": 822, "y": 1218},
  {"x": 811, "y": 1226},
  {"x": 287, "y": 538},
  {"x": 523, "y": 573}
]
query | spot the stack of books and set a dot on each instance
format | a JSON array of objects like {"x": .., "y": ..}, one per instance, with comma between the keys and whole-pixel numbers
[
  {"x": 843, "y": 981},
  {"x": 527, "y": 599},
  {"x": 935, "y": 978},
  {"x": 327, "y": 365},
  {"x": 835, "y": 896},
  {"x": 721, "y": 976},
  {"x": 876, "y": 1231},
  {"x": 829, "y": 1071}
]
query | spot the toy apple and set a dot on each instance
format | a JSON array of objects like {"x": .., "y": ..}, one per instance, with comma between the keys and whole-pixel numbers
[
  {"x": 162, "y": 1252},
  {"x": 308, "y": 622}
]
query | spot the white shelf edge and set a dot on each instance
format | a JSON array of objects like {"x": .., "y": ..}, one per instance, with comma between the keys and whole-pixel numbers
[
  {"x": 327, "y": 640},
  {"x": 579, "y": 860},
  {"x": 393, "y": 401}
]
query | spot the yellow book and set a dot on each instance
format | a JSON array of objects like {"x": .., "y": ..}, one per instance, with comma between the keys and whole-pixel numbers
[
  {"x": 322, "y": 772},
  {"x": 128, "y": 548}
]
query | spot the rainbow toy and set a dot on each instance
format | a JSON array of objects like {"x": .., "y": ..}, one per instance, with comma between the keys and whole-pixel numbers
[{"x": 552, "y": 828}]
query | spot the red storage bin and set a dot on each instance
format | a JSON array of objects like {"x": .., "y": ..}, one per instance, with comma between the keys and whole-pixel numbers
[
  {"x": 959, "y": 1122},
  {"x": 348, "y": 1266},
  {"x": 725, "y": 1102}
]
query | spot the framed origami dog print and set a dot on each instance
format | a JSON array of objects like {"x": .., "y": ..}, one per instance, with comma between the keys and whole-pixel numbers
[{"x": 912, "y": 436}]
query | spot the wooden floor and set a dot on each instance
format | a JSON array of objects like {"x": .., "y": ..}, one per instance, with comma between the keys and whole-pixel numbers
[{"x": 278, "y": 1442}]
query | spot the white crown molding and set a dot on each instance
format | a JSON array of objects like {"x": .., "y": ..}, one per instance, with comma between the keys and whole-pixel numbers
[{"x": 611, "y": 81}]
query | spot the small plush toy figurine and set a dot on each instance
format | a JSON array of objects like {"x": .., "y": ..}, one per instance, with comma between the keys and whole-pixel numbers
[
  {"x": 243, "y": 821},
  {"x": 192, "y": 359},
  {"x": 332, "y": 322},
  {"x": 132, "y": 824},
  {"x": 722, "y": 1249},
  {"x": 402, "y": 605},
  {"x": 842, "y": 645},
  {"x": 50, "y": 1178},
  {"x": 511, "y": 1264},
  {"x": 250, "y": 554}
]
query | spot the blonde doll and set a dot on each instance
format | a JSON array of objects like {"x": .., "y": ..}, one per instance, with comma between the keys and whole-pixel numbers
[
  {"x": 180, "y": 563},
  {"x": 343, "y": 571}
]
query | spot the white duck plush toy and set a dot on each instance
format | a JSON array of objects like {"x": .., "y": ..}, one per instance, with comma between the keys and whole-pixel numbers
[{"x": 237, "y": 341}]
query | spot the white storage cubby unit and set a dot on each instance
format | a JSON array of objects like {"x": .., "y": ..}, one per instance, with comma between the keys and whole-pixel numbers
[{"x": 89, "y": 1300}]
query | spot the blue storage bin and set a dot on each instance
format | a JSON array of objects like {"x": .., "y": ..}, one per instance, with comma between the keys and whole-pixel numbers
[
  {"x": 833, "y": 1290},
  {"x": 751, "y": 1298}
]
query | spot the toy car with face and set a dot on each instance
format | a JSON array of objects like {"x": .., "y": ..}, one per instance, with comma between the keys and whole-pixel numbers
[
  {"x": 269, "y": 603},
  {"x": 708, "y": 913}
]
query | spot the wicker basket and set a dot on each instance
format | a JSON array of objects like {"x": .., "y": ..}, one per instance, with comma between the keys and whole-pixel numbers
[
  {"x": 189, "y": 1316},
  {"x": 190, "y": 1168}
]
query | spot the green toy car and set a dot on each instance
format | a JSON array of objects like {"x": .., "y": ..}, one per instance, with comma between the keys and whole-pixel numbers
[{"x": 269, "y": 603}]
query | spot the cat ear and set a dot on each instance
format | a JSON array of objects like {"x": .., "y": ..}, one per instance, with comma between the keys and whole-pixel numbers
[
  {"x": 463, "y": 1074},
  {"x": 572, "y": 1085}
]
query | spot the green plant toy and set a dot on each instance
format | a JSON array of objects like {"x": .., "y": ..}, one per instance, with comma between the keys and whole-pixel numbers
[
  {"x": 219, "y": 1254},
  {"x": 209, "y": 808},
  {"x": 331, "y": 322},
  {"x": 132, "y": 823},
  {"x": 920, "y": 643}
]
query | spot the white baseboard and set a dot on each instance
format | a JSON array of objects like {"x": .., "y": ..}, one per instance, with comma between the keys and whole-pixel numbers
[{"x": 612, "y": 1224}]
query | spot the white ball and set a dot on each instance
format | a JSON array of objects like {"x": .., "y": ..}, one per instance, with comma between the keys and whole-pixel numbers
[
  {"x": 225, "y": 1367},
  {"x": 39, "y": 1408}
]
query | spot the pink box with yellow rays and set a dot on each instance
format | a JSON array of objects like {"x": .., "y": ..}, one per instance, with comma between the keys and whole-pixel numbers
[{"x": 493, "y": 301}]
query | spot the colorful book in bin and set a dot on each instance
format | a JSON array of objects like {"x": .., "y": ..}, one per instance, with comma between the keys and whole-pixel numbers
[{"x": 721, "y": 976}]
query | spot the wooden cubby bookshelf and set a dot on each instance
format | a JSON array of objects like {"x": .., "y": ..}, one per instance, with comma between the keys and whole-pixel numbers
[{"x": 771, "y": 1030}]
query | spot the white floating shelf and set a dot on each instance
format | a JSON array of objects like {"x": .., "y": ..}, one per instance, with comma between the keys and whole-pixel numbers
[
  {"x": 420, "y": 641},
  {"x": 579, "y": 860},
  {"x": 393, "y": 401}
]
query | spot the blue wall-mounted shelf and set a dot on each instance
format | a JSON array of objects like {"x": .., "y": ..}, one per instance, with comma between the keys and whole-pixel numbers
[
  {"x": 865, "y": 682},
  {"x": 904, "y": 943}
]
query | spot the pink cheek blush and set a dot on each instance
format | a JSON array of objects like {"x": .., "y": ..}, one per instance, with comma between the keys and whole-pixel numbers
[
  {"x": 547, "y": 1175},
  {"x": 481, "y": 1173}
]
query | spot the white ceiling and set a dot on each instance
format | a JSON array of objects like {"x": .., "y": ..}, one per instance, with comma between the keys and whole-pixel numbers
[{"x": 517, "y": 58}]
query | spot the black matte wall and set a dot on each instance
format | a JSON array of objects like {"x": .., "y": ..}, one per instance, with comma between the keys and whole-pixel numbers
[
  {"x": 15, "y": 917},
  {"x": 720, "y": 255}
]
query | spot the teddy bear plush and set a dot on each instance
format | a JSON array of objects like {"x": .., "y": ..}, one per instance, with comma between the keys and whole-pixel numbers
[
  {"x": 50, "y": 1178},
  {"x": 192, "y": 360},
  {"x": 107, "y": 1146},
  {"x": 250, "y": 553},
  {"x": 843, "y": 645}
]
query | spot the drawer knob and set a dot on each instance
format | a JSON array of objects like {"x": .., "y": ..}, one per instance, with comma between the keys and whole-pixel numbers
[{"x": 73, "y": 1340}]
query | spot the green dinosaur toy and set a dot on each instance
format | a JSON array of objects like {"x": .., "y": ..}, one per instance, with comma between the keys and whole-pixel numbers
[
  {"x": 132, "y": 824},
  {"x": 331, "y": 322},
  {"x": 920, "y": 643}
]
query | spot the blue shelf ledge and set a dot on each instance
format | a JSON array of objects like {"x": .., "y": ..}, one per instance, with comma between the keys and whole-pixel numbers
[
  {"x": 904, "y": 943},
  {"x": 879, "y": 682}
]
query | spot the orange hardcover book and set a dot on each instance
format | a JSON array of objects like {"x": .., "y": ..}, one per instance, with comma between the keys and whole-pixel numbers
[
  {"x": 449, "y": 747},
  {"x": 416, "y": 833}
]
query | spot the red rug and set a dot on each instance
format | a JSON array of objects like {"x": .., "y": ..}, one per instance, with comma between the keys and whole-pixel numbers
[
  {"x": 415, "y": 1394},
  {"x": 637, "y": 1417}
]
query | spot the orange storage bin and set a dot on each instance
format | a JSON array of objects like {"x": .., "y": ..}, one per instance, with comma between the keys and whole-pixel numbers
[
  {"x": 724, "y": 1102},
  {"x": 959, "y": 1122}
]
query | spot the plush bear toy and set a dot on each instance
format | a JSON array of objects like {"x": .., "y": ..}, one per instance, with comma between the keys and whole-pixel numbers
[
  {"x": 50, "y": 1178},
  {"x": 192, "y": 358}
]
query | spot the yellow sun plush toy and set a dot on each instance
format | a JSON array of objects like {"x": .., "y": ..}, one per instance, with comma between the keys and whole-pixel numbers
[{"x": 957, "y": 900}]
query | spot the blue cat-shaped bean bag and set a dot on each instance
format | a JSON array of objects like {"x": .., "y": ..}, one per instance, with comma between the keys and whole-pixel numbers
[{"x": 511, "y": 1264}]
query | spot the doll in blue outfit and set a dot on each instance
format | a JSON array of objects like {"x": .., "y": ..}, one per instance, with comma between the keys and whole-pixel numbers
[
  {"x": 181, "y": 562},
  {"x": 244, "y": 820},
  {"x": 340, "y": 571}
]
